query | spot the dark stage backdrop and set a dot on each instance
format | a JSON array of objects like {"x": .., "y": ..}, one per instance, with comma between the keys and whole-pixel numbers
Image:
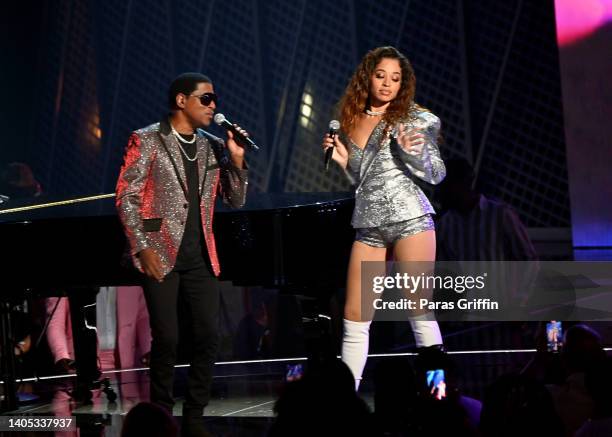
[{"x": 96, "y": 70}]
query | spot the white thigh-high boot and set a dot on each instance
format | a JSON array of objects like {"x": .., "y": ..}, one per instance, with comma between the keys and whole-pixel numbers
[
  {"x": 426, "y": 332},
  {"x": 355, "y": 344}
]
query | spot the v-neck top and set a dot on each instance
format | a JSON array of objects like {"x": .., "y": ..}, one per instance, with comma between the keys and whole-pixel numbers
[
  {"x": 383, "y": 173},
  {"x": 192, "y": 250}
]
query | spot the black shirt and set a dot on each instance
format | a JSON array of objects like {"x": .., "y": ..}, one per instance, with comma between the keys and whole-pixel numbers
[{"x": 192, "y": 253}]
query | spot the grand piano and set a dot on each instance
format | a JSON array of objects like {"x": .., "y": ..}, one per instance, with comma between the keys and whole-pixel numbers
[
  {"x": 298, "y": 243},
  {"x": 289, "y": 240}
]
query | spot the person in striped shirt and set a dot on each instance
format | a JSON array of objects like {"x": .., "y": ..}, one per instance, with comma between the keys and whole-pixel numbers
[{"x": 483, "y": 231}]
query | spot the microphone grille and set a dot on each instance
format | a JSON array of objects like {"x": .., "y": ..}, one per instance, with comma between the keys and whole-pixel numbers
[
  {"x": 219, "y": 118},
  {"x": 334, "y": 125}
]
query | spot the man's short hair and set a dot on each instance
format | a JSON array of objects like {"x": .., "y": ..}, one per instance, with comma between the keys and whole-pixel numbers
[{"x": 185, "y": 83}]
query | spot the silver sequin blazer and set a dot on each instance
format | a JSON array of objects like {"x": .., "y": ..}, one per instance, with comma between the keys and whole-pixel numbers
[
  {"x": 151, "y": 193},
  {"x": 383, "y": 173}
]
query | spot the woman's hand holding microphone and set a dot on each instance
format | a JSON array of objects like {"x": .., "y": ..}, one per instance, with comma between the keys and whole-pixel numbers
[{"x": 340, "y": 153}]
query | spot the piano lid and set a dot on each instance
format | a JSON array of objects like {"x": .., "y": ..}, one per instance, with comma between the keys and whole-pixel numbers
[
  {"x": 44, "y": 208},
  {"x": 267, "y": 201},
  {"x": 47, "y": 207}
]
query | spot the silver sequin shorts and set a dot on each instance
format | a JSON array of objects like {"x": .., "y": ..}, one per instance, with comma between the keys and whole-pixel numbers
[{"x": 387, "y": 235}]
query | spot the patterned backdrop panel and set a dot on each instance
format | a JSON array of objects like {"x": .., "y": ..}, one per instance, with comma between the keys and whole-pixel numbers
[{"x": 488, "y": 69}]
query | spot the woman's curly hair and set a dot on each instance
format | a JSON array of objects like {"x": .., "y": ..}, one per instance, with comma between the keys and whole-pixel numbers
[{"x": 356, "y": 97}]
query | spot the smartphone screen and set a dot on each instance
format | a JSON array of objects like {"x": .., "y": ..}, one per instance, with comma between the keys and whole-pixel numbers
[
  {"x": 294, "y": 372},
  {"x": 436, "y": 383},
  {"x": 554, "y": 336}
]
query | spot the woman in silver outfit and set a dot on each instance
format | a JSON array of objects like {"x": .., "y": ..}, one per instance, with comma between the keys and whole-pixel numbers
[{"x": 386, "y": 141}]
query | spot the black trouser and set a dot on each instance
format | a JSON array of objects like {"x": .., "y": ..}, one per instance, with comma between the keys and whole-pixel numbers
[{"x": 199, "y": 292}]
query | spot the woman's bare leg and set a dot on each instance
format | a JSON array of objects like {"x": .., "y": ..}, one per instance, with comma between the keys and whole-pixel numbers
[
  {"x": 357, "y": 317},
  {"x": 420, "y": 247}
]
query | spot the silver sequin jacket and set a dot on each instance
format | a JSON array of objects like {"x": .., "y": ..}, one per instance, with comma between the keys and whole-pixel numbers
[
  {"x": 383, "y": 173},
  {"x": 151, "y": 193}
]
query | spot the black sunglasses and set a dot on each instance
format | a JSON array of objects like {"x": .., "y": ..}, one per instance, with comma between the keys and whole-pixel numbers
[{"x": 207, "y": 98}]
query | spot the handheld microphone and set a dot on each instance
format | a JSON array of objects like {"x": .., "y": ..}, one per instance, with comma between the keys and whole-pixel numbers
[
  {"x": 334, "y": 127},
  {"x": 238, "y": 136}
]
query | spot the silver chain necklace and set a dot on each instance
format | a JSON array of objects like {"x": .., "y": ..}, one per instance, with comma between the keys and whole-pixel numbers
[
  {"x": 182, "y": 140},
  {"x": 187, "y": 157}
]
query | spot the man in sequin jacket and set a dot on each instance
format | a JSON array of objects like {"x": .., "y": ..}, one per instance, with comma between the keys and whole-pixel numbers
[{"x": 165, "y": 196}]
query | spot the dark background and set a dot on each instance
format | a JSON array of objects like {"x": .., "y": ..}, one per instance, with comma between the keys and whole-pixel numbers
[{"x": 78, "y": 76}]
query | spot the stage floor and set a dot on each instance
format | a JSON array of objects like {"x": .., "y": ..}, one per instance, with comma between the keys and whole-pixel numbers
[{"x": 243, "y": 393}]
